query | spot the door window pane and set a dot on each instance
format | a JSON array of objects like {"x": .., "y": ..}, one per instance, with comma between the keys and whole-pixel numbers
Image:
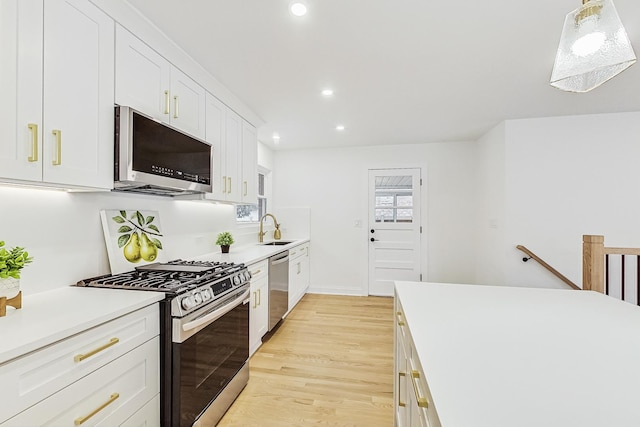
[{"x": 394, "y": 199}]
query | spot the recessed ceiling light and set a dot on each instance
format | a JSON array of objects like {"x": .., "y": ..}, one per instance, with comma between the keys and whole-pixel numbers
[
  {"x": 298, "y": 8},
  {"x": 340, "y": 127},
  {"x": 276, "y": 138},
  {"x": 327, "y": 92}
]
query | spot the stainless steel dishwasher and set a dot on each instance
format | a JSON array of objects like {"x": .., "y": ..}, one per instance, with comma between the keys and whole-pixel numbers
[{"x": 278, "y": 287}]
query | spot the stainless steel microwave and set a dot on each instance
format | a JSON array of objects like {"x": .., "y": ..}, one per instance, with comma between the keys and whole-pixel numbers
[{"x": 154, "y": 158}]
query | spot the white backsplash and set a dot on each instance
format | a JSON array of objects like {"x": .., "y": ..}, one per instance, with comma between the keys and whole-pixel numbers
[{"x": 63, "y": 233}]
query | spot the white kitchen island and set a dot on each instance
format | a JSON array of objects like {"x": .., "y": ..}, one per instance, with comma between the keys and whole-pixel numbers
[{"x": 506, "y": 357}]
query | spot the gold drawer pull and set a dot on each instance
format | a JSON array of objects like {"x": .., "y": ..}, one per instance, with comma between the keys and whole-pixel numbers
[
  {"x": 259, "y": 297},
  {"x": 400, "y": 375},
  {"x": 422, "y": 401},
  {"x": 34, "y": 142},
  {"x": 245, "y": 188},
  {"x": 229, "y": 184},
  {"x": 58, "y": 160},
  {"x": 400, "y": 320},
  {"x": 81, "y": 420},
  {"x": 175, "y": 109},
  {"x": 255, "y": 273},
  {"x": 255, "y": 299},
  {"x": 81, "y": 357}
]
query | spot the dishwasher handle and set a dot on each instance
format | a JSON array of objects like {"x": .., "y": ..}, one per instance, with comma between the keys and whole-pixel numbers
[{"x": 276, "y": 261}]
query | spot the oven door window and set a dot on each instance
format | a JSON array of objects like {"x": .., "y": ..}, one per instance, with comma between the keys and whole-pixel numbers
[{"x": 205, "y": 363}]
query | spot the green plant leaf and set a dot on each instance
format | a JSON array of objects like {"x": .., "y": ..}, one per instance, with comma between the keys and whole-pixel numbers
[
  {"x": 140, "y": 218},
  {"x": 122, "y": 240},
  {"x": 124, "y": 229},
  {"x": 123, "y": 213},
  {"x": 118, "y": 219},
  {"x": 157, "y": 243},
  {"x": 153, "y": 227},
  {"x": 149, "y": 219}
]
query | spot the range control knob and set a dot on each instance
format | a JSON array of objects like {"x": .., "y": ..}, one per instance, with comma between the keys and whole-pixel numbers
[
  {"x": 187, "y": 303},
  {"x": 206, "y": 294},
  {"x": 197, "y": 298},
  {"x": 248, "y": 274},
  {"x": 236, "y": 280}
]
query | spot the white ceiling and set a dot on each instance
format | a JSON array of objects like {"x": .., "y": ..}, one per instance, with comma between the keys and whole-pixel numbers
[{"x": 403, "y": 71}]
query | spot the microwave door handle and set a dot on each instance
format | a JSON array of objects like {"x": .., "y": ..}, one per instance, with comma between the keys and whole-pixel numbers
[{"x": 214, "y": 315}]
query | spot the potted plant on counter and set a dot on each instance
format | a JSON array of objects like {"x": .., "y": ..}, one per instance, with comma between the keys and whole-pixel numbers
[
  {"x": 225, "y": 239},
  {"x": 11, "y": 262}
]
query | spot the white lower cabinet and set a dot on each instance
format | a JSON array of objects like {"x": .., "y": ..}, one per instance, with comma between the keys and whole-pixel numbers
[
  {"x": 147, "y": 416},
  {"x": 102, "y": 376},
  {"x": 259, "y": 314},
  {"x": 413, "y": 404},
  {"x": 298, "y": 273}
]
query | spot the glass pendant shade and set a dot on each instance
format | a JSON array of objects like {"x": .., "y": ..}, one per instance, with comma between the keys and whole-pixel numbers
[{"x": 594, "y": 47}]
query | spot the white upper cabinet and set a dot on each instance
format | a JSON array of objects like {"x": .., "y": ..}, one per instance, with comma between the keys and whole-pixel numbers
[
  {"x": 224, "y": 133},
  {"x": 149, "y": 83},
  {"x": 249, "y": 163},
  {"x": 57, "y": 72}
]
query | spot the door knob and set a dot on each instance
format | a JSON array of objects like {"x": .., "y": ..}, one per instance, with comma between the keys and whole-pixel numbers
[
  {"x": 372, "y": 239},
  {"x": 373, "y": 231}
]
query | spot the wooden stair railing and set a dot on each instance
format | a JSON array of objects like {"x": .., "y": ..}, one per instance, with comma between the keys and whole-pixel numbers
[
  {"x": 548, "y": 267},
  {"x": 595, "y": 265}
]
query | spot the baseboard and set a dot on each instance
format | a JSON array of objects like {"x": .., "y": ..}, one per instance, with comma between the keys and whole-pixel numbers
[{"x": 336, "y": 291}]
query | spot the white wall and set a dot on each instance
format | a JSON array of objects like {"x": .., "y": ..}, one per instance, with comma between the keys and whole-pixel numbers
[
  {"x": 490, "y": 198},
  {"x": 569, "y": 176},
  {"x": 333, "y": 184}
]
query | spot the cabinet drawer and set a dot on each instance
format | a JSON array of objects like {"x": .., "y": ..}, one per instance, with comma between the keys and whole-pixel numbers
[
  {"x": 147, "y": 416},
  {"x": 107, "y": 397},
  {"x": 259, "y": 270},
  {"x": 298, "y": 251},
  {"x": 33, "y": 377}
]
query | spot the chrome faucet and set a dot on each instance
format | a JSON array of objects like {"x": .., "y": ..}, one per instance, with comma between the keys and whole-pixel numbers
[{"x": 276, "y": 233}]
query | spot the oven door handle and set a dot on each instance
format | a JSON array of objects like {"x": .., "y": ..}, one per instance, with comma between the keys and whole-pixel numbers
[{"x": 214, "y": 315}]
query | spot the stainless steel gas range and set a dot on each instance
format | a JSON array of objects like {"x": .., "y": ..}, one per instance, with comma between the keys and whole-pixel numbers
[{"x": 204, "y": 335}]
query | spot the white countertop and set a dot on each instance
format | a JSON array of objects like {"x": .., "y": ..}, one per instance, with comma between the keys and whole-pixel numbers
[
  {"x": 252, "y": 253},
  {"x": 50, "y": 316},
  {"x": 506, "y": 357}
]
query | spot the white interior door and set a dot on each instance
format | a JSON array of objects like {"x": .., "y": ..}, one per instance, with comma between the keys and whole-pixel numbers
[{"x": 394, "y": 228}]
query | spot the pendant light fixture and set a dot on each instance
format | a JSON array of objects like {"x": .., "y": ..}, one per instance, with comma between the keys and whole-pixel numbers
[{"x": 594, "y": 47}]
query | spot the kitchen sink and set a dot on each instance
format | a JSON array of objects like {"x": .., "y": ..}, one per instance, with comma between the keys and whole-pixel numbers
[{"x": 278, "y": 243}]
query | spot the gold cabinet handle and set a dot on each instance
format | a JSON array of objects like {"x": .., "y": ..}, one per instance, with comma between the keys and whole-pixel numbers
[
  {"x": 58, "y": 160},
  {"x": 259, "y": 297},
  {"x": 255, "y": 273},
  {"x": 255, "y": 299},
  {"x": 224, "y": 184},
  {"x": 299, "y": 269},
  {"x": 81, "y": 357},
  {"x": 175, "y": 106},
  {"x": 422, "y": 401},
  {"x": 229, "y": 184},
  {"x": 34, "y": 142},
  {"x": 245, "y": 188},
  {"x": 401, "y": 375},
  {"x": 400, "y": 320},
  {"x": 81, "y": 420},
  {"x": 167, "y": 102}
]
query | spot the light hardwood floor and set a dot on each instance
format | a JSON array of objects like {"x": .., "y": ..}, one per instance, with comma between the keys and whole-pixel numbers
[{"x": 330, "y": 362}]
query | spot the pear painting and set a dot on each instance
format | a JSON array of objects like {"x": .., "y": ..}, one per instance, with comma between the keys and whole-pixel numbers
[{"x": 138, "y": 236}]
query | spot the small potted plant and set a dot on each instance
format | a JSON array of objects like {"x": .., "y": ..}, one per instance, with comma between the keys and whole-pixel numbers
[
  {"x": 225, "y": 239},
  {"x": 11, "y": 262}
]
